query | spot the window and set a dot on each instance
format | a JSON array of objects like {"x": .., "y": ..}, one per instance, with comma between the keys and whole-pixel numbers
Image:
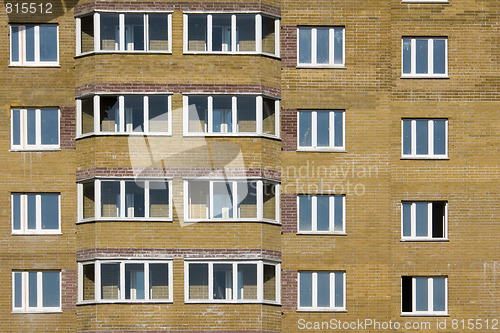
[
  {"x": 125, "y": 200},
  {"x": 321, "y": 130},
  {"x": 231, "y": 115},
  {"x": 321, "y": 213},
  {"x": 35, "y": 129},
  {"x": 425, "y": 138},
  {"x": 120, "y": 32},
  {"x": 424, "y": 220},
  {"x": 424, "y": 295},
  {"x": 321, "y": 291},
  {"x": 129, "y": 114},
  {"x": 34, "y": 213},
  {"x": 242, "y": 200},
  {"x": 320, "y": 46},
  {"x": 36, "y": 291},
  {"x": 34, "y": 45},
  {"x": 425, "y": 57},
  {"x": 231, "y": 33},
  {"x": 125, "y": 281},
  {"x": 232, "y": 282}
]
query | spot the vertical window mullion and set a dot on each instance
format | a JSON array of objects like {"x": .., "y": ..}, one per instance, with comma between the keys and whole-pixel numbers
[
  {"x": 147, "y": 213},
  {"x": 122, "y": 199},
  {"x": 121, "y": 285},
  {"x": 37, "y": 43},
  {"x": 430, "y": 295},
  {"x": 39, "y": 291},
  {"x": 445, "y": 226},
  {"x": 332, "y": 289},
  {"x": 210, "y": 101},
  {"x": 331, "y": 41},
  {"x": 121, "y": 114},
  {"x": 234, "y": 198},
  {"x": 170, "y": 200},
  {"x": 209, "y": 33},
  {"x": 97, "y": 195},
  {"x": 430, "y": 222},
  {"x": 233, "y": 33},
  {"x": 78, "y": 37},
  {"x": 314, "y": 129},
  {"x": 210, "y": 281},
  {"x": 96, "y": 112},
  {"x": 331, "y": 132},
  {"x": 314, "y": 213},
  {"x": 413, "y": 137},
  {"x": 314, "y": 46},
  {"x": 211, "y": 200},
  {"x": 235, "y": 281},
  {"x": 146, "y": 281},
  {"x": 97, "y": 32},
  {"x": 413, "y": 294},
  {"x": 38, "y": 211},
  {"x": 331, "y": 213},
  {"x": 413, "y": 64},
  {"x": 277, "y": 118},
  {"x": 97, "y": 279},
  {"x": 260, "y": 281},
  {"x": 234, "y": 111},
  {"x": 38, "y": 127},
  {"x": 260, "y": 200},
  {"x": 430, "y": 131},
  {"x": 258, "y": 116},
  {"x": 413, "y": 222},
  {"x": 121, "y": 31},
  {"x": 146, "y": 32},
  {"x": 78, "y": 117},
  {"x": 258, "y": 33},
  {"x": 430, "y": 56},
  {"x": 277, "y": 37},
  {"x": 146, "y": 114},
  {"x": 314, "y": 289}
]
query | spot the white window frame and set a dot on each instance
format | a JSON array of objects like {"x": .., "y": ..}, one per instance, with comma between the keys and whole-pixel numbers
[
  {"x": 260, "y": 200},
  {"x": 25, "y": 308},
  {"x": 315, "y": 306},
  {"x": 22, "y": 47},
  {"x": 234, "y": 118},
  {"x": 424, "y": 1},
  {"x": 314, "y": 130},
  {"x": 24, "y": 211},
  {"x": 97, "y": 200},
  {"x": 23, "y": 130},
  {"x": 314, "y": 49},
  {"x": 121, "y": 103},
  {"x": 430, "y": 221},
  {"x": 430, "y": 297},
  {"x": 430, "y": 139},
  {"x": 258, "y": 33},
  {"x": 430, "y": 58},
  {"x": 260, "y": 281},
  {"x": 121, "y": 29},
  {"x": 121, "y": 299},
  {"x": 314, "y": 217}
]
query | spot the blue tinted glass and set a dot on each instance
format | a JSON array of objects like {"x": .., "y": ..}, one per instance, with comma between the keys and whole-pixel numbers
[
  {"x": 48, "y": 43},
  {"x": 134, "y": 32},
  {"x": 139, "y": 284},
  {"x": 305, "y": 135},
  {"x": 406, "y": 137},
  {"x": 50, "y": 211},
  {"x": 407, "y": 219},
  {"x": 339, "y": 213},
  {"x": 323, "y": 129},
  {"x": 421, "y": 294},
  {"x": 110, "y": 35},
  {"x": 323, "y": 289},
  {"x": 134, "y": 113},
  {"x": 51, "y": 289},
  {"x": 31, "y": 211},
  {"x": 339, "y": 129},
  {"x": 306, "y": 289},
  {"x": 339, "y": 289},
  {"x": 439, "y": 56},
  {"x": 16, "y": 127},
  {"x": 323, "y": 46},
  {"x": 422, "y": 137},
  {"x": 16, "y": 211},
  {"x": 439, "y": 293},
  {"x": 422, "y": 56},
  {"x": 50, "y": 126},
  {"x": 305, "y": 212},
  {"x": 305, "y": 45},
  {"x": 18, "y": 290},
  {"x": 338, "y": 44},
  {"x": 31, "y": 119},
  {"x": 30, "y": 43},
  {"x": 14, "y": 43},
  {"x": 440, "y": 137},
  {"x": 323, "y": 213},
  {"x": 134, "y": 281},
  {"x": 421, "y": 218},
  {"x": 222, "y": 116},
  {"x": 406, "y": 55},
  {"x": 33, "y": 289}
]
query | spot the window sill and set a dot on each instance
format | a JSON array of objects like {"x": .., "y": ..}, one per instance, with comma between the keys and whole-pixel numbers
[
  {"x": 433, "y": 77},
  {"x": 139, "y": 134},
  {"x": 425, "y": 1},
  {"x": 432, "y": 240},
  {"x": 232, "y": 221},
  {"x": 28, "y": 150},
  {"x": 57, "y": 233},
  {"x": 322, "y": 150},
  {"x": 36, "y": 65},
  {"x": 321, "y": 310},
  {"x": 92, "y": 53},
  {"x": 311, "y": 233},
  {"x": 124, "y": 302},
  {"x": 303, "y": 66},
  {"x": 37, "y": 312},
  {"x": 252, "y": 135},
  {"x": 218, "y": 53},
  {"x": 139, "y": 220},
  {"x": 424, "y": 157},
  {"x": 424, "y": 314},
  {"x": 232, "y": 302}
]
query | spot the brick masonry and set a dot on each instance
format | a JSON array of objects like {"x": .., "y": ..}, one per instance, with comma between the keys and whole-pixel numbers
[
  {"x": 289, "y": 129},
  {"x": 68, "y": 127},
  {"x": 69, "y": 279},
  {"x": 289, "y": 216}
]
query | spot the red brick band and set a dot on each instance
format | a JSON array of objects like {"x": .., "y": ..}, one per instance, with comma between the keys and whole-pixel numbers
[
  {"x": 288, "y": 213},
  {"x": 288, "y": 46},
  {"x": 289, "y": 289},
  {"x": 289, "y": 129},
  {"x": 68, "y": 129},
  {"x": 69, "y": 288}
]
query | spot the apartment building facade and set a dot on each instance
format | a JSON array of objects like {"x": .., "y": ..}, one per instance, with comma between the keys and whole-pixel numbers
[{"x": 272, "y": 166}]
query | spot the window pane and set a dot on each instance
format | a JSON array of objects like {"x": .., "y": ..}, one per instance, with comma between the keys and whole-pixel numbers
[
  {"x": 197, "y": 32},
  {"x": 50, "y": 126},
  {"x": 51, "y": 289},
  {"x": 269, "y": 116},
  {"x": 323, "y": 289},
  {"x": 407, "y": 297},
  {"x": 50, "y": 211},
  {"x": 323, "y": 210},
  {"x": 439, "y": 293},
  {"x": 247, "y": 199},
  {"x": 439, "y": 56},
  {"x": 110, "y": 281},
  {"x": 438, "y": 215},
  {"x": 198, "y": 114},
  {"x": 14, "y": 43},
  {"x": 245, "y": 33},
  {"x": 339, "y": 129},
  {"x": 269, "y": 193},
  {"x": 339, "y": 289},
  {"x": 88, "y": 200},
  {"x": 422, "y": 56},
  {"x": 305, "y": 38},
  {"x": 134, "y": 199},
  {"x": 158, "y": 32},
  {"x": 440, "y": 137},
  {"x": 323, "y": 128},
  {"x": 134, "y": 113},
  {"x": 16, "y": 127},
  {"x": 31, "y": 119},
  {"x": 158, "y": 281},
  {"x": 422, "y": 137},
  {"x": 159, "y": 199},
  {"x": 30, "y": 43},
  {"x": 223, "y": 281},
  {"x": 87, "y": 33},
  {"x": 134, "y": 281},
  {"x": 305, "y": 129},
  {"x": 110, "y": 35},
  {"x": 158, "y": 113},
  {"x": 222, "y": 114},
  {"x": 406, "y": 219},
  {"x": 247, "y": 117},
  {"x": 88, "y": 282},
  {"x": 31, "y": 211},
  {"x": 268, "y": 35},
  {"x": 198, "y": 199},
  {"x": 269, "y": 282},
  {"x": 221, "y": 32},
  {"x": 223, "y": 200},
  {"x": 421, "y": 294},
  {"x": 48, "y": 43},
  {"x": 406, "y": 137},
  {"x": 421, "y": 218},
  {"x": 18, "y": 290},
  {"x": 33, "y": 289},
  {"x": 110, "y": 199},
  {"x": 305, "y": 213},
  {"x": 338, "y": 55},
  {"x": 110, "y": 116},
  {"x": 305, "y": 289},
  {"x": 323, "y": 45},
  {"x": 406, "y": 55},
  {"x": 198, "y": 281},
  {"x": 134, "y": 32},
  {"x": 339, "y": 213},
  {"x": 247, "y": 281},
  {"x": 87, "y": 115},
  {"x": 16, "y": 211}
]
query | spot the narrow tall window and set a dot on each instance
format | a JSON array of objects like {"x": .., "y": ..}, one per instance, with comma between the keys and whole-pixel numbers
[
  {"x": 36, "y": 291},
  {"x": 36, "y": 213},
  {"x": 424, "y": 220},
  {"x": 35, "y": 129},
  {"x": 34, "y": 45},
  {"x": 321, "y": 291},
  {"x": 425, "y": 57},
  {"x": 321, "y": 213},
  {"x": 425, "y": 138},
  {"x": 424, "y": 295},
  {"x": 320, "y": 46},
  {"x": 321, "y": 130}
]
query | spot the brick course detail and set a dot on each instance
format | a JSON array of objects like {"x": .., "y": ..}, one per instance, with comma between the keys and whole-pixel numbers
[
  {"x": 289, "y": 289},
  {"x": 68, "y": 290},
  {"x": 288, "y": 213},
  {"x": 288, "y": 46},
  {"x": 289, "y": 129},
  {"x": 68, "y": 124}
]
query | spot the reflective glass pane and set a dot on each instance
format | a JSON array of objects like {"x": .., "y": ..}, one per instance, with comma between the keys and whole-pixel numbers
[
  {"x": 197, "y": 32},
  {"x": 14, "y": 44},
  {"x": 323, "y": 212},
  {"x": 110, "y": 199},
  {"x": 16, "y": 211},
  {"x": 158, "y": 113},
  {"x": 339, "y": 129},
  {"x": 339, "y": 289},
  {"x": 223, "y": 281},
  {"x": 134, "y": 113},
  {"x": 305, "y": 213},
  {"x": 247, "y": 281},
  {"x": 305, "y": 38},
  {"x": 268, "y": 116},
  {"x": 31, "y": 211},
  {"x": 305, "y": 289},
  {"x": 16, "y": 127},
  {"x": 439, "y": 291},
  {"x": 88, "y": 282},
  {"x": 87, "y": 115},
  {"x": 246, "y": 114},
  {"x": 421, "y": 294},
  {"x": 30, "y": 43},
  {"x": 406, "y": 219},
  {"x": 421, "y": 218},
  {"x": 268, "y": 35},
  {"x": 323, "y": 289},
  {"x": 158, "y": 32},
  {"x": 406, "y": 137},
  {"x": 110, "y": 34},
  {"x": 439, "y": 56},
  {"x": 323, "y": 45},
  {"x": 110, "y": 281},
  {"x": 198, "y": 194},
  {"x": 198, "y": 114},
  {"x": 33, "y": 289},
  {"x": 134, "y": 199},
  {"x": 406, "y": 55},
  {"x": 338, "y": 55},
  {"x": 18, "y": 290},
  {"x": 158, "y": 281},
  {"x": 222, "y": 114},
  {"x": 422, "y": 56},
  {"x": 31, "y": 119},
  {"x": 134, "y": 281},
  {"x": 245, "y": 33},
  {"x": 159, "y": 199},
  {"x": 51, "y": 289},
  {"x": 339, "y": 213},
  {"x": 110, "y": 114},
  {"x": 50, "y": 211},
  {"x": 221, "y": 33},
  {"x": 305, "y": 129},
  {"x": 88, "y": 200},
  {"x": 134, "y": 32},
  {"x": 269, "y": 197},
  {"x": 223, "y": 200},
  {"x": 422, "y": 137},
  {"x": 50, "y": 126},
  {"x": 269, "y": 282},
  {"x": 323, "y": 129},
  {"x": 247, "y": 199},
  {"x": 198, "y": 281},
  {"x": 440, "y": 137},
  {"x": 48, "y": 43},
  {"x": 87, "y": 33}
]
